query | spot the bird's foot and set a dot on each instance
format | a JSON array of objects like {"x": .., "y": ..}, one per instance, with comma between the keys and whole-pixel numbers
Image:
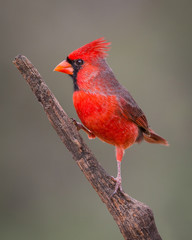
[
  {"x": 80, "y": 126},
  {"x": 117, "y": 185}
]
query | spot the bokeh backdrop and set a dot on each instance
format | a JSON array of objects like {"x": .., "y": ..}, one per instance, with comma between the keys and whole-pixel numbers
[{"x": 43, "y": 194}]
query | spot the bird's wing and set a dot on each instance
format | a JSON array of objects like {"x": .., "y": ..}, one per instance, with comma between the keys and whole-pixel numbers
[{"x": 131, "y": 111}]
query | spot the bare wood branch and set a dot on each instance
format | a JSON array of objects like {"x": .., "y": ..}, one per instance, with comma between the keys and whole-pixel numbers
[{"x": 135, "y": 219}]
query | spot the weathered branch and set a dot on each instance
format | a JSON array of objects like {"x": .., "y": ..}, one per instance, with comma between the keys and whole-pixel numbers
[{"x": 135, "y": 219}]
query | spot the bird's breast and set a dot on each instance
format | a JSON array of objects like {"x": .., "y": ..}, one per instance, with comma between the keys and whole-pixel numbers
[{"x": 101, "y": 114}]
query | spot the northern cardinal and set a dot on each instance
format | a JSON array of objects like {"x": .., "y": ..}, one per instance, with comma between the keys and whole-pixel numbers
[{"x": 103, "y": 105}]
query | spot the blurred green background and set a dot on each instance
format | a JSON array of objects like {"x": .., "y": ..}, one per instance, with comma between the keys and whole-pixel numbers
[{"x": 43, "y": 193}]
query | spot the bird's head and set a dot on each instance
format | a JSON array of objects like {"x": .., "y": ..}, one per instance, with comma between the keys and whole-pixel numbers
[{"x": 84, "y": 58}]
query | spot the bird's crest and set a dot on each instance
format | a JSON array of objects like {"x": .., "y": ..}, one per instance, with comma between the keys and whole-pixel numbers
[{"x": 94, "y": 49}]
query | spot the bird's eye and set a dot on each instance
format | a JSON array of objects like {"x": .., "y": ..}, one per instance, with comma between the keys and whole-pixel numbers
[{"x": 79, "y": 62}]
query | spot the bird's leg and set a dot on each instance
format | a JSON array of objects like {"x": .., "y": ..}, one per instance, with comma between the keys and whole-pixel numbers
[
  {"x": 80, "y": 126},
  {"x": 119, "y": 156}
]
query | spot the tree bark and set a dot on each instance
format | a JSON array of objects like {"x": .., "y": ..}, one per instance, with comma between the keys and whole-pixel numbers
[{"x": 134, "y": 219}]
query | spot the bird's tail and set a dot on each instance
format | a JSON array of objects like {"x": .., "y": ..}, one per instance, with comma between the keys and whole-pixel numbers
[{"x": 154, "y": 138}]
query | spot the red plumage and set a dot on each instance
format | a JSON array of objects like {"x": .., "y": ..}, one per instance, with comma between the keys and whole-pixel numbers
[
  {"x": 104, "y": 106},
  {"x": 92, "y": 50}
]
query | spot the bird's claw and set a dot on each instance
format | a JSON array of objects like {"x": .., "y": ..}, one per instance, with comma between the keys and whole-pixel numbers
[
  {"x": 80, "y": 126},
  {"x": 117, "y": 185},
  {"x": 77, "y": 124}
]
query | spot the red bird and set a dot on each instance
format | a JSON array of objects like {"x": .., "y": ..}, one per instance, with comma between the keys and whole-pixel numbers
[{"x": 103, "y": 105}]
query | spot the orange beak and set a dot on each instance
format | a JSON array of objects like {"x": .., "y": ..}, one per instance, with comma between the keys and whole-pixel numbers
[{"x": 64, "y": 67}]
